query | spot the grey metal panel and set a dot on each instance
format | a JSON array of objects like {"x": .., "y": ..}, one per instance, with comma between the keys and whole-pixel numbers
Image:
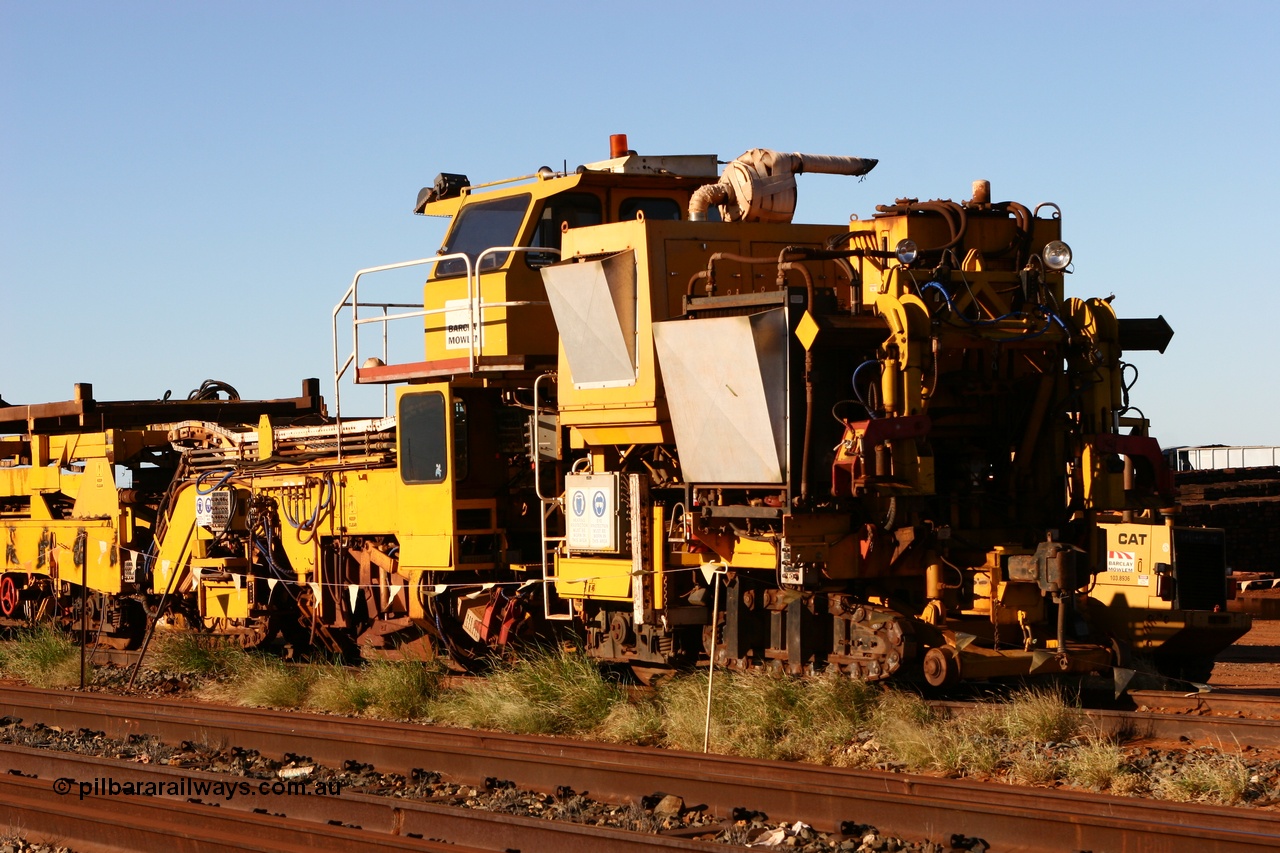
[
  {"x": 594, "y": 303},
  {"x": 725, "y": 381}
]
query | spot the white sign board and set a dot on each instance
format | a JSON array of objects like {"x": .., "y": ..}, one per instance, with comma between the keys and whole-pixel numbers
[
  {"x": 457, "y": 328},
  {"x": 591, "y": 511}
]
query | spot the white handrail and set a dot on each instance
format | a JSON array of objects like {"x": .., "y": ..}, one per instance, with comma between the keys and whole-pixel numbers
[
  {"x": 353, "y": 293},
  {"x": 473, "y": 332},
  {"x": 475, "y": 311}
]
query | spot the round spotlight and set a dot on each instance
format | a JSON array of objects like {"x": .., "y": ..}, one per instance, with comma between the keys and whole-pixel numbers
[
  {"x": 907, "y": 251},
  {"x": 1057, "y": 255}
]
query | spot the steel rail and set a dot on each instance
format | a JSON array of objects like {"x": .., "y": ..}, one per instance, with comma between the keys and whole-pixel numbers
[
  {"x": 382, "y": 815},
  {"x": 174, "y": 826},
  {"x": 1165, "y": 725},
  {"x": 1007, "y": 817},
  {"x": 1265, "y": 707}
]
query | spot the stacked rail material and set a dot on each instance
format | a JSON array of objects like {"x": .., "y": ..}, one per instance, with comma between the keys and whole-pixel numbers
[{"x": 1243, "y": 501}]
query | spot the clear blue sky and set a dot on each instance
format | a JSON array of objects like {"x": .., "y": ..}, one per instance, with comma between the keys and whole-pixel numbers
[{"x": 188, "y": 187}]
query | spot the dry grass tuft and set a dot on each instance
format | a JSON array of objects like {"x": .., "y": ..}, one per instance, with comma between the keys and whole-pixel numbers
[
  {"x": 195, "y": 654},
  {"x": 1042, "y": 716},
  {"x": 402, "y": 690},
  {"x": 338, "y": 690},
  {"x": 265, "y": 682},
  {"x": 44, "y": 657},
  {"x": 547, "y": 692},
  {"x": 1215, "y": 777},
  {"x": 640, "y": 723},
  {"x": 1094, "y": 763},
  {"x": 761, "y": 715}
]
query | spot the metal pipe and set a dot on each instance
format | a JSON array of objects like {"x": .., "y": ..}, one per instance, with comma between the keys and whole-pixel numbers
[
  {"x": 828, "y": 164},
  {"x": 709, "y": 272},
  {"x": 705, "y": 196}
]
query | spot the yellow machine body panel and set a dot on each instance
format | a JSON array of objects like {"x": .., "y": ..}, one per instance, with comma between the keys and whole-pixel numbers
[
  {"x": 1151, "y": 587},
  {"x": 606, "y": 578},
  {"x": 667, "y": 254},
  {"x": 69, "y": 520}
]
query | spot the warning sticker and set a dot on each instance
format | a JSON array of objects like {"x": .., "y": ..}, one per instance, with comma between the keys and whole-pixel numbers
[{"x": 1120, "y": 561}]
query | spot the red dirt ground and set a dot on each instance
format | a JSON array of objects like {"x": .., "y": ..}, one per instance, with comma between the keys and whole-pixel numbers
[{"x": 1252, "y": 665}]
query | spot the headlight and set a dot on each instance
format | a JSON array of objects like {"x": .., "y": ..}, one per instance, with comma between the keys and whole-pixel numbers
[
  {"x": 907, "y": 251},
  {"x": 1057, "y": 255}
]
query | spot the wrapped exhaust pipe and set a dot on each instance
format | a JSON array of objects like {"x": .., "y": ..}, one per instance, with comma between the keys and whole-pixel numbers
[{"x": 760, "y": 186}]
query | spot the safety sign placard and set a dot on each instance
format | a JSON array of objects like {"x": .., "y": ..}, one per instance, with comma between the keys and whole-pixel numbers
[{"x": 591, "y": 512}]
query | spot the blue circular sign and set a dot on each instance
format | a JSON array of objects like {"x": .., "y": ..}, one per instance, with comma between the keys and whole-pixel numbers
[
  {"x": 579, "y": 503},
  {"x": 598, "y": 504}
]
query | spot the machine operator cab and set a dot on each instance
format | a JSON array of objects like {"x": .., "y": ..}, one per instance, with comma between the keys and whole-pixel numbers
[{"x": 486, "y": 307}]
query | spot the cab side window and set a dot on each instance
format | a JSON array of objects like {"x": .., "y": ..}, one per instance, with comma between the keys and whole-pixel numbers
[
  {"x": 576, "y": 209},
  {"x": 651, "y": 207},
  {"x": 424, "y": 451}
]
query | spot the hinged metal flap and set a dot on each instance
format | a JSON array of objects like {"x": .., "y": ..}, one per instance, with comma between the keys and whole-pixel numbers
[
  {"x": 594, "y": 303},
  {"x": 725, "y": 381}
]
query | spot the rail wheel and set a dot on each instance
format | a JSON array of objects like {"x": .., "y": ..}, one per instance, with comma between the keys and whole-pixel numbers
[
  {"x": 10, "y": 596},
  {"x": 941, "y": 667}
]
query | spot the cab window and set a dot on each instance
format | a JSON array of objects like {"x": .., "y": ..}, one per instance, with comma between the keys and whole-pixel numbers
[
  {"x": 482, "y": 226},
  {"x": 652, "y": 208},
  {"x": 576, "y": 209},
  {"x": 424, "y": 452}
]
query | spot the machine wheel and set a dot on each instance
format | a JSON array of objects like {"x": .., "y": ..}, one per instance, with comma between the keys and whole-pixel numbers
[
  {"x": 941, "y": 667},
  {"x": 10, "y": 596}
]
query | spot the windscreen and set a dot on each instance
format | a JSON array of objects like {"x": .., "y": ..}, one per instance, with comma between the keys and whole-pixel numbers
[{"x": 483, "y": 226}]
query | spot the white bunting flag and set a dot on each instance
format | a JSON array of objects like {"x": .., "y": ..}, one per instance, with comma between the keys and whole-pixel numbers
[
  {"x": 238, "y": 580},
  {"x": 395, "y": 590},
  {"x": 102, "y": 551},
  {"x": 271, "y": 585},
  {"x": 164, "y": 568},
  {"x": 437, "y": 589},
  {"x": 195, "y": 576},
  {"x": 315, "y": 590},
  {"x": 353, "y": 592}
]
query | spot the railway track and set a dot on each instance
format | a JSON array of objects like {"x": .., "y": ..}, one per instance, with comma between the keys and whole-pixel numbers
[
  {"x": 269, "y": 814},
  {"x": 1006, "y": 817},
  {"x": 1226, "y": 720}
]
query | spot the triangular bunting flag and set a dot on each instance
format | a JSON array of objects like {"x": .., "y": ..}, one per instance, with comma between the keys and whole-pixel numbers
[
  {"x": 238, "y": 580},
  {"x": 315, "y": 589},
  {"x": 1122, "y": 678},
  {"x": 1041, "y": 658},
  {"x": 437, "y": 589},
  {"x": 271, "y": 585},
  {"x": 395, "y": 590},
  {"x": 353, "y": 592}
]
